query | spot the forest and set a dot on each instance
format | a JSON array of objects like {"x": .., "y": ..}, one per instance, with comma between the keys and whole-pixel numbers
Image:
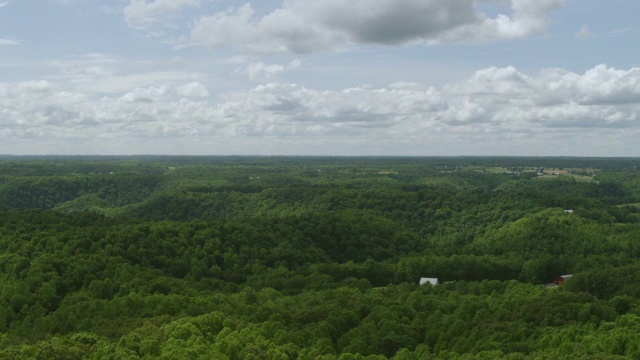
[{"x": 169, "y": 257}]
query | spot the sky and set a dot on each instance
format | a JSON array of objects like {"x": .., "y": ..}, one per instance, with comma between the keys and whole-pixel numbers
[{"x": 330, "y": 77}]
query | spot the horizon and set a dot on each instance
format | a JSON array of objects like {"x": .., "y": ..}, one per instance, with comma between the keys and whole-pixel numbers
[{"x": 313, "y": 156}]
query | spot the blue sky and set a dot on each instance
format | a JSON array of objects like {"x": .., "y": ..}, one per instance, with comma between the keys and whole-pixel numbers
[{"x": 331, "y": 77}]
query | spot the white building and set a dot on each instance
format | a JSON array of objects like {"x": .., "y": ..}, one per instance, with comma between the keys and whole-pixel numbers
[{"x": 431, "y": 281}]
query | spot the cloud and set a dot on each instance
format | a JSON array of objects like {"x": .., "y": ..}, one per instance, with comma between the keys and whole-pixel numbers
[
  {"x": 621, "y": 31},
  {"x": 150, "y": 94},
  {"x": 584, "y": 33},
  {"x": 9, "y": 42},
  {"x": 608, "y": 86},
  {"x": 494, "y": 104},
  {"x": 600, "y": 85},
  {"x": 260, "y": 70},
  {"x": 5, "y": 41},
  {"x": 141, "y": 12},
  {"x": 87, "y": 67},
  {"x": 288, "y": 109},
  {"x": 301, "y": 26},
  {"x": 504, "y": 82},
  {"x": 192, "y": 90},
  {"x": 123, "y": 82},
  {"x": 100, "y": 74},
  {"x": 41, "y": 86}
]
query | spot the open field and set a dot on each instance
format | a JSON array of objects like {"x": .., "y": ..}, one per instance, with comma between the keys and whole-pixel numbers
[{"x": 636, "y": 205}]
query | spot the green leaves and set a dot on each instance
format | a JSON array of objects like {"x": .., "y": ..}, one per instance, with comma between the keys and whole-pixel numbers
[{"x": 272, "y": 259}]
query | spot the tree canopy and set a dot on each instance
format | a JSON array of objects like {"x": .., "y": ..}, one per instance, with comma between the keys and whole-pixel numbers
[{"x": 318, "y": 258}]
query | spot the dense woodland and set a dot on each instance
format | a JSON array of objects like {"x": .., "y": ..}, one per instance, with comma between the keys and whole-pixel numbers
[{"x": 318, "y": 258}]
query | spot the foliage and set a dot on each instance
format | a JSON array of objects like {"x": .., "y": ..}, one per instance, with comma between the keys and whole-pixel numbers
[{"x": 317, "y": 258}]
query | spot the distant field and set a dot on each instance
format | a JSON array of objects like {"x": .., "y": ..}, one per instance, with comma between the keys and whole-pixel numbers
[
  {"x": 637, "y": 205},
  {"x": 549, "y": 173},
  {"x": 494, "y": 170},
  {"x": 578, "y": 178}
]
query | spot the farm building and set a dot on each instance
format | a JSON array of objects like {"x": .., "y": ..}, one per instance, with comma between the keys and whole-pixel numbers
[
  {"x": 431, "y": 281},
  {"x": 562, "y": 279}
]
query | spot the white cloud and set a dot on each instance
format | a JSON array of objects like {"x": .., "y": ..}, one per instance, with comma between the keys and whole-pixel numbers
[
  {"x": 87, "y": 67},
  {"x": 107, "y": 74},
  {"x": 192, "y": 90},
  {"x": 40, "y": 86},
  {"x": 621, "y": 31},
  {"x": 237, "y": 59},
  {"x": 140, "y": 12},
  {"x": 495, "y": 104},
  {"x": 260, "y": 70},
  {"x": 150, "y": 94},
  {"x": 600, "y": 85},
  {"x": 99, "y": 74},
  {"x": 302, "y": 26},
  {"x": 9, "y": 42},
  {"x": 608, "y": 86},
  {"x": 123, "y": 82},
  {"x": 505, "y": 82},
  {"x": 584, "y": 33}
]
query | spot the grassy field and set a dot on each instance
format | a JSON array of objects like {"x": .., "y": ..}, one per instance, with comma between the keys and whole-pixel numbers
[
  {"x": 551, "y": 173},
  {"x": 636, "y": 205}
]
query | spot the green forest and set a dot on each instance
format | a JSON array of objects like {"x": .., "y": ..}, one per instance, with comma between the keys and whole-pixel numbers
[{"x": 319, "y": 258}]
